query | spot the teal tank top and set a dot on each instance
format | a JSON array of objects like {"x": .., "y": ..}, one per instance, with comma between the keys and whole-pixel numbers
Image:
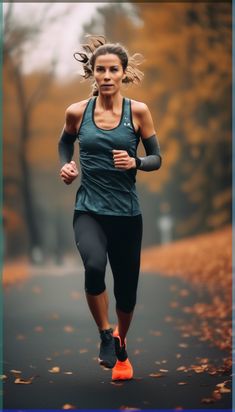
[{"x": 105, "y": 189}]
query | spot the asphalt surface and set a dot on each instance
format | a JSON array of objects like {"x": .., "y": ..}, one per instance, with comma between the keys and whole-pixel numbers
[{"x": 47, "y": 325}]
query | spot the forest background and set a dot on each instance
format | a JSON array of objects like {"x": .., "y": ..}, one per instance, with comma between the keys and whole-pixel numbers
[{"x": 187, "y": 85}]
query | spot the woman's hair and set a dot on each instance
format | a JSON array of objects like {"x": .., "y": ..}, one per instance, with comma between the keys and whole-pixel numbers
[{"x": 97, "y": 46}]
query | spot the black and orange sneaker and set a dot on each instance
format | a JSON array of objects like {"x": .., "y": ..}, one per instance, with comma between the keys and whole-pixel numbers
[
  {"x": 123, "y": 369},
  {"x": 107, "y": 355}
]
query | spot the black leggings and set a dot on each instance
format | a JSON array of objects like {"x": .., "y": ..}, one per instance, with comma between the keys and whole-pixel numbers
[{"x": 118, "y": 236}]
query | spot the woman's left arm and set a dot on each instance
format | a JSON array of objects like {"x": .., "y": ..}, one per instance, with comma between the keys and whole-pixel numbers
[{"x": 153, "y": 158}]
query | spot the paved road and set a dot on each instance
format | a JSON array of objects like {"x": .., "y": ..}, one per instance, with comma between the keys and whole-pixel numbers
[{"x": 47, "y": 324}]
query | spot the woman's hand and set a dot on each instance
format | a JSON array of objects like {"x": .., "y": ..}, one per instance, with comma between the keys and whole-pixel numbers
[
  {"x": 122, "y": 160},
  {"x": 69, "y": 172}
]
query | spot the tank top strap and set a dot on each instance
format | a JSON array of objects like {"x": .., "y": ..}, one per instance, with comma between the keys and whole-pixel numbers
[
  {"x": 127, "y": 111},
  {"x": 89, "y": 107}
]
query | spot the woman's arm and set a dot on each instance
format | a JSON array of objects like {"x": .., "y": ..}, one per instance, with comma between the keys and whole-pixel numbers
[
  {"x": 68, "y": 136},
  {"x": 153, "y": 158}
]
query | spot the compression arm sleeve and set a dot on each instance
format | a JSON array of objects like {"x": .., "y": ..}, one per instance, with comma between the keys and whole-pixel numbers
[
  {"x": 153, "y": 159},
  {"x": 66, "y": 147}
]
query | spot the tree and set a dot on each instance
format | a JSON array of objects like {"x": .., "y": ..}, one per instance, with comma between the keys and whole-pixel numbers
[{"x": 19, "y": 37}]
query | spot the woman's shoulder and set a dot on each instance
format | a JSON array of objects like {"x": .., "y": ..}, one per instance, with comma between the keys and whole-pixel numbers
[
  {"x": 75, "y": 110},
  {"x": 138, "y": 108}
]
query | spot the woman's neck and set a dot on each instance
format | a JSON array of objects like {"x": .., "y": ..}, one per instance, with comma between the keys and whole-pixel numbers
[{"x": 109, "y": 102}]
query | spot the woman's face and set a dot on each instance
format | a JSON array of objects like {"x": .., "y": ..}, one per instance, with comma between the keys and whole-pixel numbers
[{"x": 108, "y": 73}]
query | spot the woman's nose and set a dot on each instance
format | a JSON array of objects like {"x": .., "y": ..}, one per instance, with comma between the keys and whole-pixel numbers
[{"x": 107, "y": 75}]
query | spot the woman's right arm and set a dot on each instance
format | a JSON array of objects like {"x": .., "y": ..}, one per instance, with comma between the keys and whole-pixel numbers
[{"x": 68, "y": 136}]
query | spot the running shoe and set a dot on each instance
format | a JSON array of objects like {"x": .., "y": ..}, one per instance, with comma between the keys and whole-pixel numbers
[
  {"x": 107, "y": 355},
  {"x": 123, "y": 369}
]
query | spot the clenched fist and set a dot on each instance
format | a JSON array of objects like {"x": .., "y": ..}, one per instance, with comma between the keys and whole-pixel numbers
[
  {"x": 122, "y": 160},
  {"x": 69, "y": 172}
]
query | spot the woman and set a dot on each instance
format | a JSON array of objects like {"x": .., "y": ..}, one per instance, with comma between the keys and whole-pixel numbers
[{"x": 107, "y": 218}]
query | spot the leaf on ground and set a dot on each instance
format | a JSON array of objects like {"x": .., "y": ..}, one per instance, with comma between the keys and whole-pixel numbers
[
  {"x": 20, "y": 337},
  {"x": 55, "y": 369},
  {"x": 16, "y": 373},
  {"x": 129, "y": 408},
  {"x": 163, "y": 370},
  {"x": 156, "y": 375},
  {"x": 168, "y": 319},
  {"x": 37, "y": 290},
  {"x": 68, "y": 373},
  {"x": 184, "y": 292},
  {"x": 182, "y": 383},
  {"x": 183, "y": 345},
  {"x": 208, "y": 400},
  {"x": 49, "y": 359},
  {"x": 23, "y": 381},
  {"x": 3, "y": 377},
  {"x": 174, "y": 304},
  {"x": 67, "y": 351},
  {"x": 54, "y": 316},
  {"x": 68, "y": 406},
  {"x": 38, "y": 329},
  {"x": 69, "y": 329},
  {"x": 83, "y": 350},
  {"x": 155, "y": 332},
  {"x": 182, "y": 368},
  {"x": 75, "y": 295}
]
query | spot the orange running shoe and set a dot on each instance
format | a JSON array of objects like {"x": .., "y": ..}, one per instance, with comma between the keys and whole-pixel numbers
[{"x": 123, "y": 369}]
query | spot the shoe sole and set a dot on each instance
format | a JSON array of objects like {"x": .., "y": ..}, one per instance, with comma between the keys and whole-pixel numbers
[{"x": 105, "y": 364}]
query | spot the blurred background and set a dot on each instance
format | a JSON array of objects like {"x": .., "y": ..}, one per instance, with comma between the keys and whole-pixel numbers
[{"x": 187, "y": 86}]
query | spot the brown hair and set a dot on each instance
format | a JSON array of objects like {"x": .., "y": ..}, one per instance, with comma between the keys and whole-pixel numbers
[{"x": 97, "y": 46}]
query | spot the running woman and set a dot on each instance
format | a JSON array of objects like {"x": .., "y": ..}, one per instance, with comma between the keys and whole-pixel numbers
[{"x": 107, "y": 219}]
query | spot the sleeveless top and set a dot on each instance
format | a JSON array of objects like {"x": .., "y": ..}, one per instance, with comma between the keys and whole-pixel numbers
[{"x": 105, "y": 189}]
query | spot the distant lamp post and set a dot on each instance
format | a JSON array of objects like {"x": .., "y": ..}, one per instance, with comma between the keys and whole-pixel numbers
[{"x": 165, "y": 223}]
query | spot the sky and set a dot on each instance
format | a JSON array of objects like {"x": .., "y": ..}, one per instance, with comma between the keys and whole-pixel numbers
[{"x": 60, "y": 40}]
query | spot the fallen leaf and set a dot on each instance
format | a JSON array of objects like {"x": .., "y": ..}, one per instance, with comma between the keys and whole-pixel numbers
[
  {"x": 68, "y": 406},
  {"x": 38, "y": 329},
  {"x": 37, "y": 290},
  {"x": 83, "y": 350},
  {"x": 208, "y": 400},
  {"x": 2, "y": 377},
  {"x": 69, "y": 329},
  {"x": 23, "y": 381},
  {"x": 182, "y": 383},
  {"x": 20, "y": 337},
  {"x": 55, "y": 369},
  {"x": 156, "y": 375},
  {"x": 15, "y": 371},
  {"x": 75, "y": 295},
  {"x": 183, "y": 345},
  {"x": 182, "y": 368}
]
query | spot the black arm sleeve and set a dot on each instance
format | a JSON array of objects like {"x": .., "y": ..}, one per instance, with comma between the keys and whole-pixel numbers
[
  {"x": 153, "y": 159},
  {"x": 66, "y": 147}
]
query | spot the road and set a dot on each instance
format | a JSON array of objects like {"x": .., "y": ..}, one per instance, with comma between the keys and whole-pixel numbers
[{"x": 51, "y": 340}]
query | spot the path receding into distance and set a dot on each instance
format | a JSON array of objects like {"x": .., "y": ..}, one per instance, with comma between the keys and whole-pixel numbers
[{"x": 49, "y": 336}]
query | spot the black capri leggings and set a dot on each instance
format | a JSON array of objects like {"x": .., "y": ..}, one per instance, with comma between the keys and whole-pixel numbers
[{"x": 120, "y": 238}]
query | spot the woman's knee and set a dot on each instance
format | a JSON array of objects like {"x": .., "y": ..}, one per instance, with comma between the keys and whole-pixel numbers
[
  {"x": 94, "y": 277},
  {"x": 125, "y": 303}
]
